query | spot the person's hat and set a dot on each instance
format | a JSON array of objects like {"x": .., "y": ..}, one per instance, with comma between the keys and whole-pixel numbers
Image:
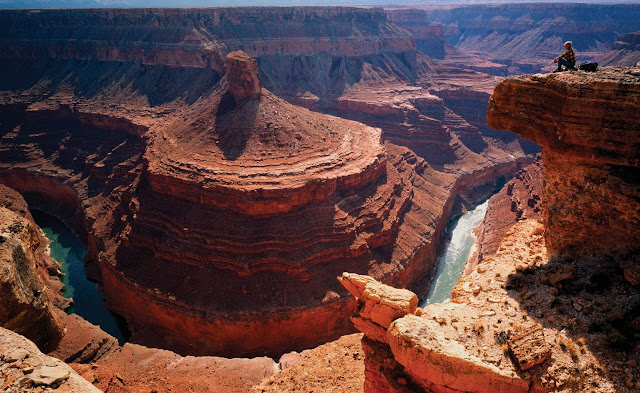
[{"x": 569, "y": 43}]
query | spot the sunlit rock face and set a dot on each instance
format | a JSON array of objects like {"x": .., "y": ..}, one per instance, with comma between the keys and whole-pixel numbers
[
  {"x": 527, "y": 36},
  {"x": 589, "y": 128},
  {"x": 408, "y": 349},
  {"x": 25, "y": 369},
  {"x": 26, "y": 307}
]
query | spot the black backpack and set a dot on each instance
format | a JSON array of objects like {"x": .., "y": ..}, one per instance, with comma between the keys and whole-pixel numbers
[{"x": 591, "y": 67}]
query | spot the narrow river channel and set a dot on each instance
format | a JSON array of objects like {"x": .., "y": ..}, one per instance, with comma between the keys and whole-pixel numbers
[
  {"x": 452, "y": 262},
  {"x": 88, "y": 302}
]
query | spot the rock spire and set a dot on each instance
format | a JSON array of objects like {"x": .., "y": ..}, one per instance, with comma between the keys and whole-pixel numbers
[{"x": 242, "y": 76}]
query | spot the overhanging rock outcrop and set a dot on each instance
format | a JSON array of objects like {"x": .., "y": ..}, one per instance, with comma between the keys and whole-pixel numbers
[
  {"x": 588, "y": 125},
  {"x": 408, "y": 349}
]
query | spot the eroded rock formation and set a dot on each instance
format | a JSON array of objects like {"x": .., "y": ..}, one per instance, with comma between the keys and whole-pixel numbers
[
  {"x": 23, "y": 368},
  {"x": 588, "y": 126},
  {"x": 192, "y": 205},
  {"x": 407, "y": 349},
  {"x": 242, "y": 76},
  {"x": 518, "y": 320},
  {"x": 25, "y": 307},
  {"x": 624, "y": 52},
  {"x": 28, "y": 288}
]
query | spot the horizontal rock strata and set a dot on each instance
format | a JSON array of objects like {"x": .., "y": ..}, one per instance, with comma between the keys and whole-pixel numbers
[
  {"x": 193, "y": 205},
  {"x": 526, "y": 36},
  {"x": 624, "y": 52},
  {"x": 588, "y": 127},
  {"x": 287, "y": 40}
]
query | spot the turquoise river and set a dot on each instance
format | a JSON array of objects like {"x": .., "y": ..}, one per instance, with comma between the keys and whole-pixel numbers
[
  {"x": 88, "y": 301},
  {"x": 458, "y": 249},
  {"x": 89, "y": 304}
]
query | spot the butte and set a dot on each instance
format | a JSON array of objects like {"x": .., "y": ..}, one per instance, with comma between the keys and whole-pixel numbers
[{"x": 246, "y": 210}]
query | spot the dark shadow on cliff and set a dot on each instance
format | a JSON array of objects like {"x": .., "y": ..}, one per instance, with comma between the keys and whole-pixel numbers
[
  {"x": 61, "y": 139},
  {"x": 158, "y": 84},
  {"x": 234, "y": 124},
  {"x": 327, "y": 76},
  {"x": 590, "y": 301}
]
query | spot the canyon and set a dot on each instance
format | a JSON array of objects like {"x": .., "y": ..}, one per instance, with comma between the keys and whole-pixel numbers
[
  {"x": 540, "y": 310},
  {"x": 141, "y": 173},
  {"x": 223, "y": 166},
  {"x": 624, "y": 52},
  {"x": 525, "y": 38}
]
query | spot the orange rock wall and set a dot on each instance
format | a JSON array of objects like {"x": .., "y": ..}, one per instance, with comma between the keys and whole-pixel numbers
[
  {"x": 24, "y": 280},
  {"x": 587, "y": 125}
]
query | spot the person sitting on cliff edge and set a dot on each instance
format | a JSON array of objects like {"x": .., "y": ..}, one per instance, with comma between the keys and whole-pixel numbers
[{"x": 567, "y": 59}]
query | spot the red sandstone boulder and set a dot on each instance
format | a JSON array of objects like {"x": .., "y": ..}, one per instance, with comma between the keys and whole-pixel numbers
[{"x": 382, "y": 304}]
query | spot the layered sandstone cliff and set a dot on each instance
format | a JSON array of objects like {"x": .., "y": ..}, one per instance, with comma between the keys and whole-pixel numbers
[
  {"x": 587, "y": 125},
  {"x": 333, "y": 59},
  {"x": 32, "y": 303},
  {"x": 429, "y": 36},
  {"x": 624, "y": 52},
  {"x": 315, "y": 49},
  {"x": 525, "y": 37},
  {"x": 522, "y": 319},
  {"x": 26, "y": 307},
  {"x": 327, "y": 191}
]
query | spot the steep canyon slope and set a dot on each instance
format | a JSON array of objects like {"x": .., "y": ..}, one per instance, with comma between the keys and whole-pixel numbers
[
  {"x": 624, "y": 52},
  {"x": 589, "y": 153},
  {"x": 216, "y": 215}
]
